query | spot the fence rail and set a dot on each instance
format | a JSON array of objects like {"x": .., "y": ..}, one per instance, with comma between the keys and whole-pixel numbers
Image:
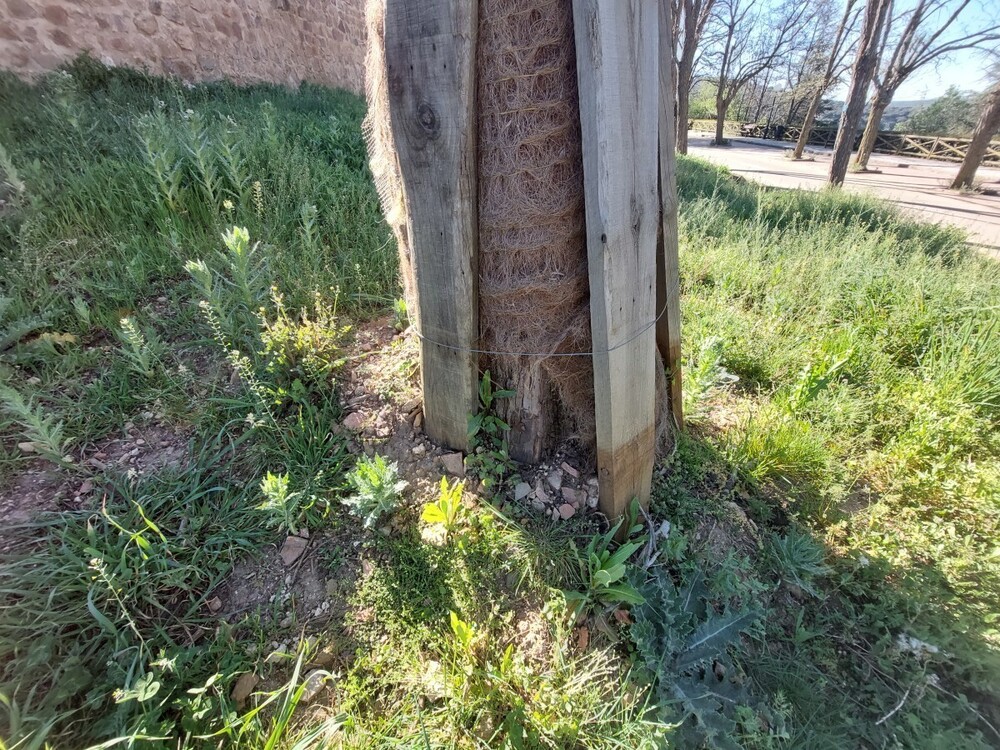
[{"x": 897, "y": 144}]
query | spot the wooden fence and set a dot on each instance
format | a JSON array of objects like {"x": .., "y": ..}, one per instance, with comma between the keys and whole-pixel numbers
[{"x": 898, "y": 144}]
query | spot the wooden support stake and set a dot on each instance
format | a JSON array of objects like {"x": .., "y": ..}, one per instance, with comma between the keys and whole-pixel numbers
[
  {"x": 430, "y": 50},
  {"x": 668, "y": 275},
  {"x": 617, "y": 59}
]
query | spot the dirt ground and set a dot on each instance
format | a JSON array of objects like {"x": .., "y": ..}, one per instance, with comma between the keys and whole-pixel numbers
[{"x": 918, "y": 186}]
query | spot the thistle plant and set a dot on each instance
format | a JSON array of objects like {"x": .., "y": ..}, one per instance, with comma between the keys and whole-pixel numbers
[{"x": 377, "y": 489}]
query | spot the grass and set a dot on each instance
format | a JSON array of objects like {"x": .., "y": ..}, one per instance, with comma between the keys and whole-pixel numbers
[{"x": 191, "y": 261}]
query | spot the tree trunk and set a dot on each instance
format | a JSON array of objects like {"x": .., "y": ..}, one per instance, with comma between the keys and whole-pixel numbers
[
  {"x": 720, "y": 122},
  {"x": 861, "y": 77},
  {"x": 807, "y": 124},
  {"x": 879, "y": 104},
  {"x": 986, "y": 128},
  {"x": 683, "y": 107}
]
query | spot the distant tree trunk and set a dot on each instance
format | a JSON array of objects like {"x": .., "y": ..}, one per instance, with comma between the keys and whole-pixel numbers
[
  {"x": 829, "y": 74},
  {"x": 695, "y": 15},
  {"x": 683, "y": 109},
  {"x": 807, "y": 124},
  {"x": 880, "y": 103},
  {"x": 986, "y": 128},
  {"x": 721, "y": 108},
  {"x": 861, "y": 77}
]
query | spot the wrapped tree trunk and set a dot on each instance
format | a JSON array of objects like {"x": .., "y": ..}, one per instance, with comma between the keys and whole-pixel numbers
[
  {"x": 534, "y": 294},
  {"x": 545, "y": 218}
]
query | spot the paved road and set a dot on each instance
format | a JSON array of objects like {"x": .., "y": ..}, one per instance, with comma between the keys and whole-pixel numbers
[{"x": 918, "y": 186}]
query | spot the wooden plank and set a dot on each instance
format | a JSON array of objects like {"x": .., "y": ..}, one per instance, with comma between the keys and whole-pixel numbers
[
  {"x": 430, "y": 49},
  {"x": 668, "y": 275},
  {"x": 617, "y": 59}
]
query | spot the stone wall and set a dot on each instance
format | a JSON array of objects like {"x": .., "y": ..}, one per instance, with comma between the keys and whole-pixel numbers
[{"x": 283, "y": 41}]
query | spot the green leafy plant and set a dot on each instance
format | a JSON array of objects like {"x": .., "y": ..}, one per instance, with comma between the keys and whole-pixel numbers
[
  {"x": 285, "y": 509},
  {"x": 14, "y": 328},
  {"x": 604, "y": 572},
  {"x": 799, "y": 559},
  {"x": 447, "y": 509},
  {"x": 377, "y": 489},
  {"x": 44, "y": 431},
  {"x": 489, "y": 451},
  {"x": 140, "y": 348},
  {"x": 683, "y": 643},
  {"x": 401, "y": 316}
]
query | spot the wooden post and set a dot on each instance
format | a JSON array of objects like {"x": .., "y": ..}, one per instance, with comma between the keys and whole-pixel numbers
[
  {"x": 617, "y": 67},
  {"x": 668, "y": 276},
  {"x": 430, "y": 50}
]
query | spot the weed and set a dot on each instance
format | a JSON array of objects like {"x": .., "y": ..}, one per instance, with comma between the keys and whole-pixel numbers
[
  {"x": 285, "y": 509},
  {"x": 684, "y": 644},
  {"x": 44, "y": 432},
  {"x": 604, "y": 572},
  {"x": 446, "y": 511},
  {"x": 376, "y": 489},
  {"x": 139, "y": 347},
  {"x": 489, "y": 451}
]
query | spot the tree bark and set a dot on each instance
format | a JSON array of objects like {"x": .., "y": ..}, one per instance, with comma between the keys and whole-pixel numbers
[
  {"x": 879, "y": 104},
  {"x": 721, "y": 107},
  {"x": 683, "y": 108},
  {"x": 861, "y": 77},
  {"x": 986, "y": 127},
  {"x": 807, "y": 123}
]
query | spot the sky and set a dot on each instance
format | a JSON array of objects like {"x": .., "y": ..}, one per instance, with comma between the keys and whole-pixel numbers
[{"x": 965, "y": 69}]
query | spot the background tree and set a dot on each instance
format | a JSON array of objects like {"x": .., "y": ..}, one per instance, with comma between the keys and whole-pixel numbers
[
  {"x": 954, "y": 113},
  {"x": 865, "y": 63},
  {"x": 833, "y": 68},
  {"x": 752, "y": 39},
  {"x": 986, "y": 128},
  {"x": 928, "y": 32},
  {"x": 690, "y": 18}
]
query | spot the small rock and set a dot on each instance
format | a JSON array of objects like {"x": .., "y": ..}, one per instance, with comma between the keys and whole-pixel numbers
[
  {"x": 570, "y": 470},
  {"x": 555, "y": 480},
  {"x": 540, "y": 493},
  {"x": 332, "y": 587},
  {"x": 314, "y": 683},
  {"x": 286, "y": 621},
  {"x": 566, "y": 511},
  {"x": 354, "y": 421},
  {"x": 418, "y": 421},
  {"x": 576, "y": 498},
  {"x": 140, "y": 441},
  {"x": 292, "y": 549},
  {"x": 555, "y": 514},
  {"x": 592, "y": 501},
  {"x": 412, "y": 405},
  {"x": 243, "y": 688},
  {"x": 214, "y": 604},
  {"x": 522, "y": 490},
  {"x": 27, "y": 447},
  {"x": 34, "y": 381},
  {"x": 419, "y": 449},
  {"x": 303, "y": 532},
  {"x": 453, "y": 464},
  {"x": 538, "y": 505},
  {"x": 277, "y": 655},
  {"x": 592, "y": 482}
]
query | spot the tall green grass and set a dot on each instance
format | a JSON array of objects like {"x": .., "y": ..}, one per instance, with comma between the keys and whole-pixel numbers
[
  {"x": 867, "y": 349},
  {"x": 126, "y": 177}
]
